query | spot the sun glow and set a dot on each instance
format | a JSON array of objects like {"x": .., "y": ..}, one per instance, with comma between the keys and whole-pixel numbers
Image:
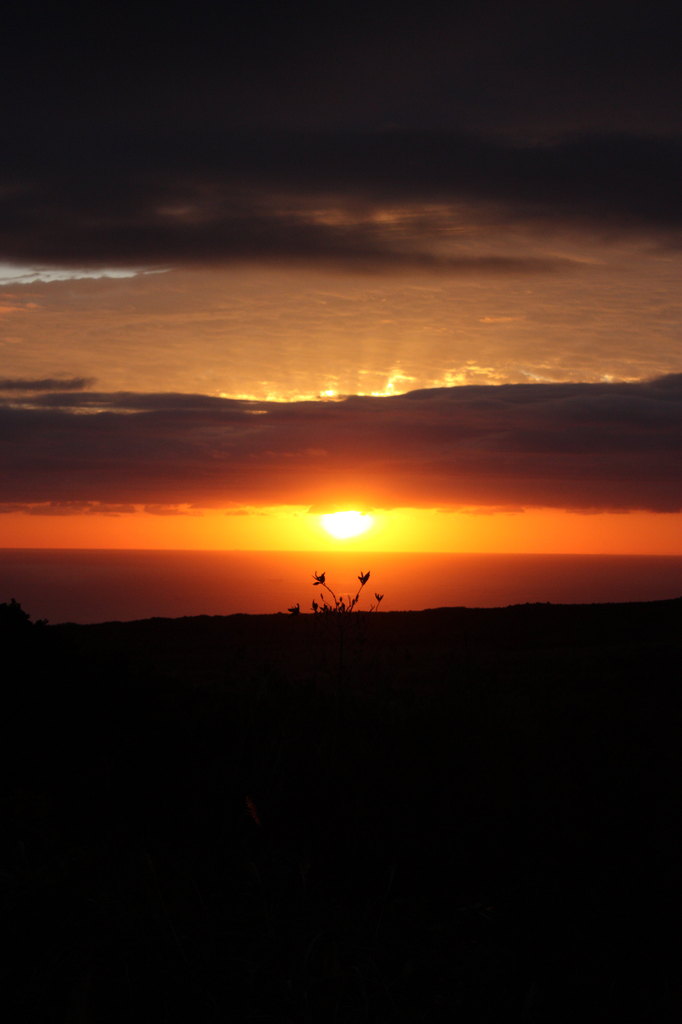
[{"x": 343, "y": 525}]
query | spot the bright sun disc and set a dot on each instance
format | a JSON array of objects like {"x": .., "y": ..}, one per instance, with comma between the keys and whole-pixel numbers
[{"x": 346, "y": 524}]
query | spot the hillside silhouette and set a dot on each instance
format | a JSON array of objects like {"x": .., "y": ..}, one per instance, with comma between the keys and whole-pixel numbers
[{"x": 474, "y": 815}]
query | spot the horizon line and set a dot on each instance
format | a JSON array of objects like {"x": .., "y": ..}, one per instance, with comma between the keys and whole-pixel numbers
[{"x": 357, "y": 551}]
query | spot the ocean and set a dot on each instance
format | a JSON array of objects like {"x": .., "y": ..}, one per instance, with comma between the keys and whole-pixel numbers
[{"x": 88, "y": 586}]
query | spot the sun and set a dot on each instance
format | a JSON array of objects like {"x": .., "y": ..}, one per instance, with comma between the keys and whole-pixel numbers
[{"x": 343, "y": 525}]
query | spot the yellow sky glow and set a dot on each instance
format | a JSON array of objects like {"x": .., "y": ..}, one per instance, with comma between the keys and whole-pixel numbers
[{"x": 278, "y": 334}]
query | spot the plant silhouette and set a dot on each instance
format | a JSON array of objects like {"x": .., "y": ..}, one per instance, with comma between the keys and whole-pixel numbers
[
  {"x": 341, "y": 610},
  {"x": 341, "y": 605}
]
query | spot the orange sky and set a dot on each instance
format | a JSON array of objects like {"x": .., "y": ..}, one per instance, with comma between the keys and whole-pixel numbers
[
  {"x": 481, "y": 379},
  {"x": 613, "y": 313},
  {"x": 285, "y": 336},
  {"x": 89, "y": 495},
  {"x": 297, "y": 529}
]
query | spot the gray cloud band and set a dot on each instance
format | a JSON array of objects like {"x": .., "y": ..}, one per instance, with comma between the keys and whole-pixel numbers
[{"x": 574, "y": 446}]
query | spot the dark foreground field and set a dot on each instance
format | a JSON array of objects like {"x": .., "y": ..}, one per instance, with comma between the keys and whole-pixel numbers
[{"x": 456, "y": 815}]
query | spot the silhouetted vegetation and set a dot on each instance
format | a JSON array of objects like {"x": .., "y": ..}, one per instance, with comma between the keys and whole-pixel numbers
[
  {"x": 14, "y": 621},
  {"x": 479, "y": 826},
  {"x": 340, "y": 608},
  {"x": 344, "y": 605}
]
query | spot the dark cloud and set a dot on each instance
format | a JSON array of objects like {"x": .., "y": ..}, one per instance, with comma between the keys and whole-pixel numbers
[
  {"x": 324, "y": 198},
  {"x": 528, "y": 66},
  {"x": 133, "y": 401},
  {"x": 136, "y": 139},
  {"x": 67, "y": 508},
  {"x": 46, "y": 384},
  {"x": 576, "y": 446}
]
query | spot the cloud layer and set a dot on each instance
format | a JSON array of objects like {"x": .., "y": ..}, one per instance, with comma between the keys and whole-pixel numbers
[
  {"x": 574, "y": 446},
  {"x": 294, "y": 137},
  {"x": 46, "y": 384},
  {"x": 390, "y": 201}
]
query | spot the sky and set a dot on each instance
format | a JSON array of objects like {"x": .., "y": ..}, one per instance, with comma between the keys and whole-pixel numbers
[{"x": 422, "y": 265}]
